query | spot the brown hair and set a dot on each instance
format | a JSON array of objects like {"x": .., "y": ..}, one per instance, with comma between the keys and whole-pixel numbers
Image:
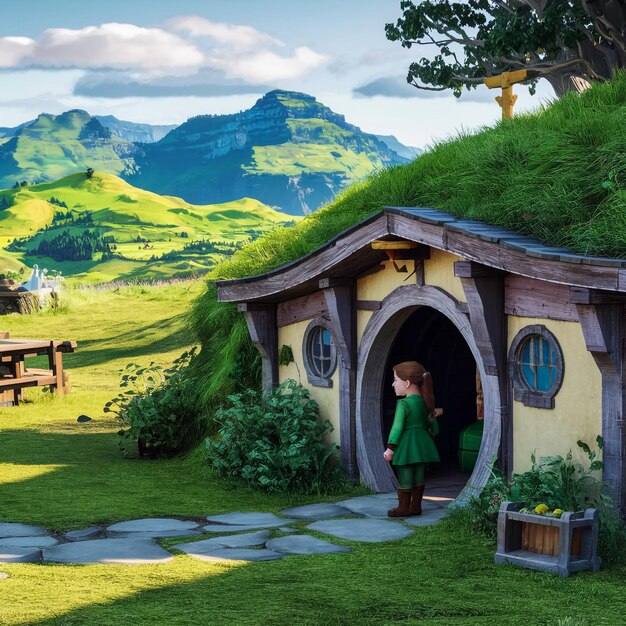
[{"x": 416, "y": 374}]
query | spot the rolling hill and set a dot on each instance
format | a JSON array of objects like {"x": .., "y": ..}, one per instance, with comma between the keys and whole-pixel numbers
[
  {"x": 287, "y": 151},
  {"x": 131, "y": 233}
]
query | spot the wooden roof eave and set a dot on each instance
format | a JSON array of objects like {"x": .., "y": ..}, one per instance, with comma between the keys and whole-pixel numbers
[{"x": 472, "y": 240}]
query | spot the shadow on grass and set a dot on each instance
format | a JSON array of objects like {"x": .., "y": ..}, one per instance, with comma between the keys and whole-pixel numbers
[
  {"x": 128, "y": 346},
  {"x": 85, "y": 479}
]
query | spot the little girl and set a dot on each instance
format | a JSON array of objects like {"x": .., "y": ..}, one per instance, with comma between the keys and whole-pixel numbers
[{"x": 411, "y": 444}]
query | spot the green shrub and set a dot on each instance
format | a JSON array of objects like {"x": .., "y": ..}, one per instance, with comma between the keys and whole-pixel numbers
[
  {"x": 275, "y": 443},
  {"x": 556, "y": 482},
  {"x": 157, "y": 406}
]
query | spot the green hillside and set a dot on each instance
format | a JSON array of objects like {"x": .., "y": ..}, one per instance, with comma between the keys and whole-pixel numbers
[
  {"x": 558, "y": 175},
  {"x": 54, "y": 146},
  {"x": 149, "y": 236}
]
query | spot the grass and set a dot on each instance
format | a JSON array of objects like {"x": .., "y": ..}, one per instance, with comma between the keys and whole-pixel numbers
[
  {"x": 125, "y": 213},
  {"x": 63, "y": 475}
]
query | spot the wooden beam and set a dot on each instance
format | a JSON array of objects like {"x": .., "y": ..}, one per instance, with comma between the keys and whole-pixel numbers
[
  {"x": 300, "y": 309},
  {"x": 340, "y": 297},
  {"x": 527, "y": 297},
  {"x": 471, "y": 269},
  {"x": 261, "y": 320},
  {"x": 582, "y": 295},
  {"x": 604, "y": 328},
  {"x": 368, "y": 305},
  {"x": 485, "y": 300},
  {"x": 325, "y": 283}
]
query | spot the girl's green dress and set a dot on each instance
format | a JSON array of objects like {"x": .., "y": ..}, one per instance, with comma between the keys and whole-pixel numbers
[{"x": 412, "y": 432}]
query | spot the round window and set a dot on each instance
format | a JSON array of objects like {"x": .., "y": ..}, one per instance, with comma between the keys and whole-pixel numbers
[
  {"x": 320, "y": 355},
  {"x": 536, "y": 366}
]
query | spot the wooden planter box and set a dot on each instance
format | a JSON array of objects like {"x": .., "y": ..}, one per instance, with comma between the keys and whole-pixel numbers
[{"x": 559, "y": 546}]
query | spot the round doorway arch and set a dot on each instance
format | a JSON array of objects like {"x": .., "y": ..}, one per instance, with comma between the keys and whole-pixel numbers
[{"x": 374, "y": 350}]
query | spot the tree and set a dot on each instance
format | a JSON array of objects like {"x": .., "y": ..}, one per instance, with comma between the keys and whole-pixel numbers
[
  {"x": 89, "y": 172},
  {"x": 567, "y": 42}
]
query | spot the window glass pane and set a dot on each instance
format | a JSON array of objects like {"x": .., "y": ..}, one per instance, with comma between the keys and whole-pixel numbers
[
  {"x": 545, "y": 348},
  {"x": 528, "y": 375},
  {"x": 525, "y": 352},
  {"x": 543, "y": 378},
  {"x": 326, "y": 337}
]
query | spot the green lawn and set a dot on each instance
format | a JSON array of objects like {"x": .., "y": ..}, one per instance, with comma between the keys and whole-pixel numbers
[{"x": 66, "y": 475}]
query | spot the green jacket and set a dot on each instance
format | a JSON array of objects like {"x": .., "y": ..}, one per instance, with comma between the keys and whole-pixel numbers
[{"x": 412, "y": 432}]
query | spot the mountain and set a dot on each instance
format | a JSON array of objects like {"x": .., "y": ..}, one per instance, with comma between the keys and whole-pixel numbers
[
  {"x": 134, "y": 132},
  {"x": 288, "y": 151},
  {"x": 66, "y": 225},
  {"x": 54, "y": 146},
  {"x": 406, "y": 152}
]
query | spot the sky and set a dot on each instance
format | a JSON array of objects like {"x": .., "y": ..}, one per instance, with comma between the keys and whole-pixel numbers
[{"x": 163, "y": 61}]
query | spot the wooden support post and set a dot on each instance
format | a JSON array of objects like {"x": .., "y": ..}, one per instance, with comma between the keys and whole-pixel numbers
[
  {"x": 17, "y": 369},
  {"x": 55, "y": 361},
  {"x": 340, "y": 297},
  {"x": 484, "y": 292},
  {"x": 262, "y": 326},
  {"x": 604, "y": 327}
]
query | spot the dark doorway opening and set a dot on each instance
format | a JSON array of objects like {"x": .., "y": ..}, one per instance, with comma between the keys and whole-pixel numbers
[{"x": 432, "y": 339}]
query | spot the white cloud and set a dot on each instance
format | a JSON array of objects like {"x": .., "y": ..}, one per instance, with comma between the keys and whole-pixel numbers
[
  {"x": 123, "y": 46},
  {"x": 238, "y": 38},
  {"x": 240, "y": 52},
  {"x": 268, "y": 67},
  {"x": 14, "y": 49}
]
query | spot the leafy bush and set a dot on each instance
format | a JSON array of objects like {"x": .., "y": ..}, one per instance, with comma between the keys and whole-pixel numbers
[
  {"x": 157, "y": 407},
  {"x": 274, "y": 443},
  {"x": 558, "y": 483}
]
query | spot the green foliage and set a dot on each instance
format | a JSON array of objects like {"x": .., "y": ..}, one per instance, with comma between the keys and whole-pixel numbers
[
  {"x": 285, "y": 356},
  {"x": 559, "y": 483},
  {"x": 480, "y": 38},
  {"x": 275, "y": 443},
  {"x": 157, "y": 407}
]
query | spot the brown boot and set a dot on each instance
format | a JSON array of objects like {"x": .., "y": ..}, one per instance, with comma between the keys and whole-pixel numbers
[
  {"x": 416, "y": 500},
  {"x": 404, "y": 504}
]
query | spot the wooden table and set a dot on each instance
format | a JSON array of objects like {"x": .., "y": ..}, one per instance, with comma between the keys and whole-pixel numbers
[{"x": 14, "y": 376}]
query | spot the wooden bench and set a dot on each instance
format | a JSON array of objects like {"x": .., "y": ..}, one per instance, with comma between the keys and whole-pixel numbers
[{"x": 14, "y": 376}]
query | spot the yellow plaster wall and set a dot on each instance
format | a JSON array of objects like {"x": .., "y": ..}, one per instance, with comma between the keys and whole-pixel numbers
[
  {"x": 577, "y": 412},
  {"x": 362, "y": 318},
  {"x": 326, "y": 397},
  {"x": 439, "y": 272},
  {"x": 380, "y": 284}
]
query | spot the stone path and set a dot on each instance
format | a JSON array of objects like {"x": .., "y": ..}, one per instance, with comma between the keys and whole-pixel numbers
[{"x": 238, "y": 536}]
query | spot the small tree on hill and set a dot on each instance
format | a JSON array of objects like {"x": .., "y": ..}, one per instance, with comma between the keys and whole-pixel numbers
[
  {"x": 90, "y": 172},
  {"x": 567, "y": 42}
]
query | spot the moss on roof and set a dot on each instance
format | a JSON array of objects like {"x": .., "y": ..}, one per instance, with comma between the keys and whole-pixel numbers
[{"x": 558, "y": 175}]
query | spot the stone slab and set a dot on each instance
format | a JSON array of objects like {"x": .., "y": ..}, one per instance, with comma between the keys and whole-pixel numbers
[
  {"x": 257, "y": 520},
  {"x": 247, "y": 540},
  {"x": 153, "y": 526},
  {"x": 226, "y": 528},
  {"x": 41, "y": 541},
  {"x": 287, "y": 530},
  {"x": 315, "y": 511},
  {"x": 427, "y": 518},
  {"x": 16, "y": 554},
  {"x": 368, "y": 530},
  {"x": 84, "y": 533},
  {"x": 238, "y": 554},
  {"x": 20, "y": 530},
  {"x": 377, "y": 505},
  {"x": 304, "y": 544},
  {"x": 154, "y": 534},
  {"x": 109, "y": 551}
]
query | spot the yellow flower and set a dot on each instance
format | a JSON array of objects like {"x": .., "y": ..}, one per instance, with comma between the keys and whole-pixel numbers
[
  {"x": 541, "y": 508},
  {"x": 557, "y": 512}
]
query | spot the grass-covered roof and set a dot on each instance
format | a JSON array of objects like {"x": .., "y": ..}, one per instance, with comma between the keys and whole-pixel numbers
[{"x": 558, "y": 175}]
